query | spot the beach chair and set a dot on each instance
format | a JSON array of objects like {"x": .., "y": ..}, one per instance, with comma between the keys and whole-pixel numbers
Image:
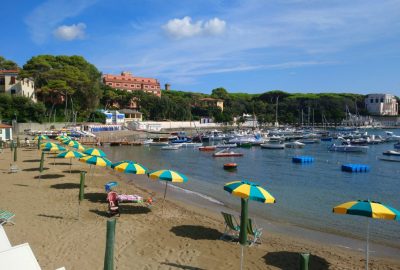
[
  {"x": 113, "y": 207},
  {"x": 254, "y": 232},
  {"x": 6, "y": 217},
  {"x": 4, "y": 242},
  {"x": 232, "y": 227}
]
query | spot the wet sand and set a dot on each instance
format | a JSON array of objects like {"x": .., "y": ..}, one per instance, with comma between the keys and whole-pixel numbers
[{"x": 185, "y": 236}]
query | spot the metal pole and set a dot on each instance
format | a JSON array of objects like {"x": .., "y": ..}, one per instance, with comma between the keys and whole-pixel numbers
[
  {"x": 367, "y": 247},
  {"x": 165, "y": 194}
]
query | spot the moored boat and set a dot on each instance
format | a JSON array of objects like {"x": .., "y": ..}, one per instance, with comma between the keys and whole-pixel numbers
[
  {"x": 171, "y": 147},
  {"x": 347, "y": 147},
  {"x": 226, "y": 145},
  {"x": 391, "y": 153},
  {"x": 207, "y": 148},
  {"x": 295, "y": 144},
  {"x": 270, "y": 145},
  {"x": 230, "y": 166},
  {"x": 227, "y": 153}
]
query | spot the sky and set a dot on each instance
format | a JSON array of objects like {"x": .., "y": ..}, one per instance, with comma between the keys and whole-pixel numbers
[{"x": 252, "y": 46}]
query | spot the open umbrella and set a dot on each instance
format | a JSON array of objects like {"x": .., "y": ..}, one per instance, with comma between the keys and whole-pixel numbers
[
  {"x": 97, "y": 161},
  {"x": 41, "y": 137},
  {"x": 70, "y": 155},
  {"x": 367, "y": 208},
  {"x": 128, "y": 166},
  {"x": 247, "y": 191},
  {"x": 167, "y": 176},
  {"x": 76, "y": 145},
  {"x": 48, "y": 145},
  {"x": 94, "y": 152},
  {"x": 52, "y": 147}
]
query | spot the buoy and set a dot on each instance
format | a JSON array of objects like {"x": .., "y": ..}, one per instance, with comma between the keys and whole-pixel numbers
[{"x": 230, "y": 166}]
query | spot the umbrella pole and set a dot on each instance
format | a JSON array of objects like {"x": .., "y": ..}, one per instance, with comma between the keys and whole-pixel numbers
[
  {"x": 241, "y": 258},
  {"x": 70, "y": 165},
  {"x": 165, "y": 193},
  {"x": 367, "y": 247}
]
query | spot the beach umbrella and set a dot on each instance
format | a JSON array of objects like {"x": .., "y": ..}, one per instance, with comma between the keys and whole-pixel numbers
[
  {"x": 41, "y": 137},
  {"x": 247, "y": 190},
  {"x": 70, "y": 155},
  {"x": 95, "y": 160},
  {"x": 128, "y": 166},
  {"x": 94, "y": 152},
  {"x": 370, "y": 209},
  {"x": 52, "y": 147},
  {"x": 167, "y": 176},
  {"x": 48, "y": 145},
  {"x": 76, "y": 145}
]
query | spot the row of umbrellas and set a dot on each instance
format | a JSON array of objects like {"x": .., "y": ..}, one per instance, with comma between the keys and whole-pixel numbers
[{"x": 245, "y": 189}]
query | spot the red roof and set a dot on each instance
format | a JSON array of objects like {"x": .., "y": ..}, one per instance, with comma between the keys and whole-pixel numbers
[
  {"x": 5, "y": 126},
  {"x": 9, "y": 71}
]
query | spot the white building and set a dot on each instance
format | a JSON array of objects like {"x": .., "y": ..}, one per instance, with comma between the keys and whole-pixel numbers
[
  {"x": 5, "y": 132},
  {"x": 10, "y": 84},
  {"x": 114, "y": 117},
  {"x": 381, "y": 104}
]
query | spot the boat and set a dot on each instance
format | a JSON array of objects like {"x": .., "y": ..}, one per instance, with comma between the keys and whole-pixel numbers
[
  {"x": 191, "y": 144},
  {"x": 245, "y": 144},
  {"x": 159, "y": 144},
  {"x": 227, "y": 153},
  {"x": 389, "y": 159},
  {"x": 171, "y": 147},
  {"x": 214, "y": 135},
  {"x": 226, "y": 145},
  {"x": 147, "y": 142},
  {"x": 347, "y": 147},
  {"x": 391, "y": 137},
  {"x": 207, "y": 148},
  {"x": 391, "y": 153},
  {"x": 326, "y": 139},
  {"x": 230, "y": 166},
  {"x": 273, "y": 145},
  {"x": 295, "y": 144},
  {"x": 309, "y": 140}
]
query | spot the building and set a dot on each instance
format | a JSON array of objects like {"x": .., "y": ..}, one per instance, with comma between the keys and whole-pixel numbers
[
  {"x": 207, "y": 102},
  {"x": 5, "y": 132},
  {"x": 10, "y": 84},
  {"x": 114, "y": 117},
  {"x": 131, "y": 115},
  {"x": 382, "y": 104},
  {"x": 126, "y": 81}
]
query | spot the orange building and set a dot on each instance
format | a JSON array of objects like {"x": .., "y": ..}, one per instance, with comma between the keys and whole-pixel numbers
[{"x": 126, "y": 81}]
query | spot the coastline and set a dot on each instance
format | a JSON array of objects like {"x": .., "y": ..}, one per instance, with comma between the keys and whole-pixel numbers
[{"x": 186, "y": 236}]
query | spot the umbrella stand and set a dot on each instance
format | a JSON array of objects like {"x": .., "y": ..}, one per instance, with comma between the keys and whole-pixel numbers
[
  {"x": 243, "y": 226},
  {"x": 165, "y": 193},
  {"x": 367, "y": 247}
]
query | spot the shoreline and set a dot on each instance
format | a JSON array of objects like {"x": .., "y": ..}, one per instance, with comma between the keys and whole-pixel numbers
[
  {"x": 294, "y": 230},
  {"x": 186, "y": 236}
]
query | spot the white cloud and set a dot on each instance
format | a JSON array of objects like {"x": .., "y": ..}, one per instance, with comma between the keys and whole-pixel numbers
[
  {"x": 45, "y": 17},
  {"x": 181, "y": 28},
  {"x": 70, "y": 32}
]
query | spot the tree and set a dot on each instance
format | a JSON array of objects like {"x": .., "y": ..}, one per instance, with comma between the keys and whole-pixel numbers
[
  {"x": 220, "y": 93},
  {"x": 7, "y": 64}
]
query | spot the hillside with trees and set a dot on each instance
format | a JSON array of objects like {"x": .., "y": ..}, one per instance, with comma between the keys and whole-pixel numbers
[{"x": 70, "y": 89}]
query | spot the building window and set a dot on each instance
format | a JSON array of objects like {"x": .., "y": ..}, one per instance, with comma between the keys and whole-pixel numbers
[
  {"x": 371, "y": 100},
  {"x": 12, "y": 80},
  {"x": 110, "y": 83},
  {"x": 13, "y": 91},
  {"x": 132, "y": 85},
  {"x": 126, "y": 84},
  {"x": 117, "y": 84},
  {"x": 382, "y": 100}
]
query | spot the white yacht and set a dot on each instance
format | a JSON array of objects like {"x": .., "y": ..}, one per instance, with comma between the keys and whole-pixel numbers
[{"x": 347, "y": 147}]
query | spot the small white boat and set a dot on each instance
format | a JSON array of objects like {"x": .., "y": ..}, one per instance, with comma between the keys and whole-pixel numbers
[
  {"x": 295, "y": 144},
  {"x": 227, "y": 153},
  {"x": 309, "y": 141},
  {"x": 171, "y": 147},
  {"x": 227, "y": 145},
  {"x": 147, "y": 142},
  {"x": 191, "y": 144},
  {"x": 272, "y": 145},
  {"x": 159, "y": 144},
  {"x": 391, "y": 153},
  {"x": 347, "y": 147}
]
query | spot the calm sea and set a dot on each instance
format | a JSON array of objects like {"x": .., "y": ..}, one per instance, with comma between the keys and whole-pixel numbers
[{"x": 305, "y": 194}]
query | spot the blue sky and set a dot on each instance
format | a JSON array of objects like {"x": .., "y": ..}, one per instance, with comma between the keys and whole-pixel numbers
[{"x": 245, "y": 46}]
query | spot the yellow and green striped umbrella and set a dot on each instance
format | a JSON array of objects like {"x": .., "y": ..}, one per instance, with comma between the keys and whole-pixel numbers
[
  {"x": 41, "y": 137},
  {"x": 70, "y": 155},
  {"x": 48, "y": 145},
  {"x": 94, "y": 160},
  {"x": 76, "y": 145},
  {"x": 249, "y": 190},
  {"x": 94, "y": 152},
  {"x": 167, "y": 176},
  {"x": 367, "y": 208},
  {"x": 128, "y": 166}
]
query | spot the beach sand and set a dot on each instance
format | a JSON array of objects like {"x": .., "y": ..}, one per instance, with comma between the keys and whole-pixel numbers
[{"x": 183, "y": 237}]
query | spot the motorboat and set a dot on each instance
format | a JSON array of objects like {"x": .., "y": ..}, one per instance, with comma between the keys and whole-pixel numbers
[
  {"x": 397, "y": 145},
  {"x": 390, "y": 137},
  {"x": 227, "y": 153},
  {"x": 213, "y": 135},
  {"x": 159, "y": 144},
  {"x": 273, "y": 145},
  {"x": 207, "y": 148},
  {"x": 226, "y": 145},
  {"x": 295, "y": 144},
  {"x": 391, "y": 153},
  {"x": 309, "y": 140},
  {"x": 347, "y": 147},
  {"x": 171, "y": 147},
  {"x": 191, "y": 144}
]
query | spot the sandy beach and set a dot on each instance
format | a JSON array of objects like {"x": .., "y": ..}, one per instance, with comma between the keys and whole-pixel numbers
[{"x": 183, "y": 237}]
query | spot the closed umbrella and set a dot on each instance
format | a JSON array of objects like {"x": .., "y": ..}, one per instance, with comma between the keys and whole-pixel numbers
[
  {"x": 247, "y": 191},
  {"x": 370, "y": 209},
  {"x": 168, "y": 176}
]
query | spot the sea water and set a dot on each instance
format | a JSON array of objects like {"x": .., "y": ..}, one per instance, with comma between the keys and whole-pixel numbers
[{"x": 305, "y": 193}]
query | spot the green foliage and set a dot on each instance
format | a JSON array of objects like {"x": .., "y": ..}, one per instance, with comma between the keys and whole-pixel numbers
[
  {"x": 20, "y": 108},
  {"x": 7, "y": 64}
]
